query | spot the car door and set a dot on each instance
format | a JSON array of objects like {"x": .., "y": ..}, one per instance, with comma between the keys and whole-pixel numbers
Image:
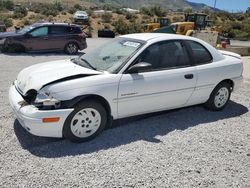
[
  {"x": 37, "y": 39},
  {"x": 168, "y": 84},
  {"x": 58, "y": 36}
]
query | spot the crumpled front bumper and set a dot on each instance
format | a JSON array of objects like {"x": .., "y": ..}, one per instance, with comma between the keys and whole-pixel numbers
[{"x": 31, "y": 117}]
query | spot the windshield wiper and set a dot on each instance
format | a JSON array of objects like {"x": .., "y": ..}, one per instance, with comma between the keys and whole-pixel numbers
[{"x": 88, "y": 64}]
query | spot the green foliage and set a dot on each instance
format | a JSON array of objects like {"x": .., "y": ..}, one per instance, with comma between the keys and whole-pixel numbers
[
  {"x": 78, "y": 7},
  {"x": 154, "y": 10},
  {"x": 6, "y": 20},
  {"x": 106, "y": 18},
  {"x": 234, "y": 25},
  {"x": 188, "y": 10},
  {"x": 6, "y": 4},
  {"x": 20, "y": 12},
  {"x": 45, "y": 9},
  {"x": 146, "y": 11},
  {"x": 122, "y": 27},
  {"x": 57, "y": 5}
]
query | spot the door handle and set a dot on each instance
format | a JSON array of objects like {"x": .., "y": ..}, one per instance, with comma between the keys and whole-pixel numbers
[
  {"x": 189, "y": 76},
  {"x": 46, "y": 38}
]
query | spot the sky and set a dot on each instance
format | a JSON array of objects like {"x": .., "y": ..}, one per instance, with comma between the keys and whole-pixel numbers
[{"x": 228, "y": 5}]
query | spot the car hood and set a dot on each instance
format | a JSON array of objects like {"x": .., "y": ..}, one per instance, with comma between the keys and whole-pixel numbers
[
  {"x": 37, "y": 76},
  {"x": 9, "y": 34}
]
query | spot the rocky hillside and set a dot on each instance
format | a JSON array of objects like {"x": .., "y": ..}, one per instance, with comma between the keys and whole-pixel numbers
[{"x": 167, "y": 4}]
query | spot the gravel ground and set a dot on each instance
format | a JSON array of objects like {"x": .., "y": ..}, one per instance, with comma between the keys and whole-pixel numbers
[{"x": 189, "y": 147}]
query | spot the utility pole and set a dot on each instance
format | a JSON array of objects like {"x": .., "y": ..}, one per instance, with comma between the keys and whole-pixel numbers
[{"x": 215, "y": 1}]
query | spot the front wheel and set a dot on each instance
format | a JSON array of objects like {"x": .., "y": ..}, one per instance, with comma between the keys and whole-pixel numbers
[
  {"x": 219, "y": 97},
  {"x": 71, "y": 48},
  {"x": 86, "y": 122}
]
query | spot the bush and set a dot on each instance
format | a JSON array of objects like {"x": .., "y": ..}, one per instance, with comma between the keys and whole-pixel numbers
[
  {"x": 146, "y": 11},
  {"x": 72, "y": 10},
  {"x": 106, "y": 17},
  {"x": 46, "y": 8},
  {"x": 57, "y": 5},
  {"x": 8, "y": 22},
  {"x": 155, "y": 10},
  {"x": 121, "y": 27},
  {"x": 78, "y": 7},
  {"x": 7, "y": 4},
  {"x": 20, "y": 12}
]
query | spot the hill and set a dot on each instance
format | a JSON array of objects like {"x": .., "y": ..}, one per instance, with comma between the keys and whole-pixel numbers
[{"x": 166, "y": 4}]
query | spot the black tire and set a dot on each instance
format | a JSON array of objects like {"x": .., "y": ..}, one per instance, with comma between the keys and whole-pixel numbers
[
  {"x": 71, "y": 48},
  {"x": 211, "y": 103},
  {"x": 79, "y": 109}
]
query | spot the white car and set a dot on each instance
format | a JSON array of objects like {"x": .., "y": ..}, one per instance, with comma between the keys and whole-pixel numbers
[
  {"x": 81, "y": 16},
  {"x": 131, "y": 75}
]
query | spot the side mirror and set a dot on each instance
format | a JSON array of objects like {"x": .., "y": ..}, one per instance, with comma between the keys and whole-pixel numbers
[{"x": 139, "y": 67}]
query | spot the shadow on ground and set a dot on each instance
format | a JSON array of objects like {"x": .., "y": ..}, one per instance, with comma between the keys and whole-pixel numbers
[
  {"x": 126, "y": 131},
  {"x": 37, "y": 54}
]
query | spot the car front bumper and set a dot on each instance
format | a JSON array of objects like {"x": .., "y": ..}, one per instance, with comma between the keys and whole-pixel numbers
[{"x": 31, "y": 118}]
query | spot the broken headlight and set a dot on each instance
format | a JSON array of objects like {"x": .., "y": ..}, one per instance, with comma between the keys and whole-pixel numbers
[{"x": 44, "y": 99}]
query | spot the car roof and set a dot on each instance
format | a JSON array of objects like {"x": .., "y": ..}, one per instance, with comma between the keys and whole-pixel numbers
[
  {"x": 152, "y": 36},
  {"x": 51, "y": 23},
  {"x": 156, "y": 37}
]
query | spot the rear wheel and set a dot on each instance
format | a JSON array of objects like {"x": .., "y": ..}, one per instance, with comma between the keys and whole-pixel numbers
[
  {"x": 86, "y": 122},
  {"x": 71, "y": 48},
  {"x": 219, "y": 97}
]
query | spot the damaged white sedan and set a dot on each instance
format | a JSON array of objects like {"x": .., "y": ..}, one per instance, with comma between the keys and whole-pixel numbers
[{"x": 131, "y": 75}]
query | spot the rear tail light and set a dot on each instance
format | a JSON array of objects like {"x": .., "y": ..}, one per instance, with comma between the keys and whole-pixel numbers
[{"x": 82, "y": 35}]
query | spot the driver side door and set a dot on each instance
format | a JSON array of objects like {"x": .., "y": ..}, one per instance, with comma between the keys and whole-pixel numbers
[
  {"x": 167, "y": 85},
  {"x": 37, "y": 39}
]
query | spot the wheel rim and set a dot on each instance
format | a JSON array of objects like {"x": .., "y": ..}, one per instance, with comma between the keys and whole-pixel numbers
[
  {"x": 221, "y": 97},
  {"x": 72, "y": 48},
  {"x": 85, "y": 122}
]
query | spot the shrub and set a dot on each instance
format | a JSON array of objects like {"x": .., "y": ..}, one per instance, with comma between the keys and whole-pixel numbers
[
  {"x": 20, "y": 12},
  {"x": 45, "y": 8},
  {"x": 7, "y": 4},
  {"x": 146, "y": 11},
  {"x": 121, "y": 27},
  {"x": 72, "y": 10},
  {"x": 57, "y": 5},
  {"x": 78, "y": 7},
  {"x": 8, "y": 22},
  {"x": 155, "y": 10},
  {"x": 106, "y": 17}
]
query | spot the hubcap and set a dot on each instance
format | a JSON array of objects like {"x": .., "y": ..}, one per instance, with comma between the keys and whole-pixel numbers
[
  {"x": 221, "y": 97},
  {"x": 85, "y": 122},
  {"x": 72, "y": 48}
]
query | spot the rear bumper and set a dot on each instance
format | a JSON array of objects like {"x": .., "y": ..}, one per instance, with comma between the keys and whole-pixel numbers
[
  {"x": 31, "y": 117},
  {"x": 83, "y": 45}
]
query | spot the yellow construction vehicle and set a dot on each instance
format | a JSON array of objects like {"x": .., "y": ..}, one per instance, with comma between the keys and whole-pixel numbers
[
  {"x": 160, "y": 22},
  {"x": 195, "y": 25}
]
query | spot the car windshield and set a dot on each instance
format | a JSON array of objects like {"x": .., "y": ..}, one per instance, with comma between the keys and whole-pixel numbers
[
  {"x": 111, "y": 56},
  {"x": 81, "y": 12},
  {"x": 25, "y": 29}
]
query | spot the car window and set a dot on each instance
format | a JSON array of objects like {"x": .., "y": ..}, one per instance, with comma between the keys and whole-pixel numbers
[
  {"x": 165, "y": 55},
  {"x": 41, "y": 31},
  {"x": 56, "y": 30},
  {"x": 201, "y": 54}
]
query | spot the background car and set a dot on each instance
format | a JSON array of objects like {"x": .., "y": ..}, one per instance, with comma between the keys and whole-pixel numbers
[
  {"x": 131, "y": 75},
  {"x": 81, "y": 16},
  {"x": 45, "y": 37}
]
